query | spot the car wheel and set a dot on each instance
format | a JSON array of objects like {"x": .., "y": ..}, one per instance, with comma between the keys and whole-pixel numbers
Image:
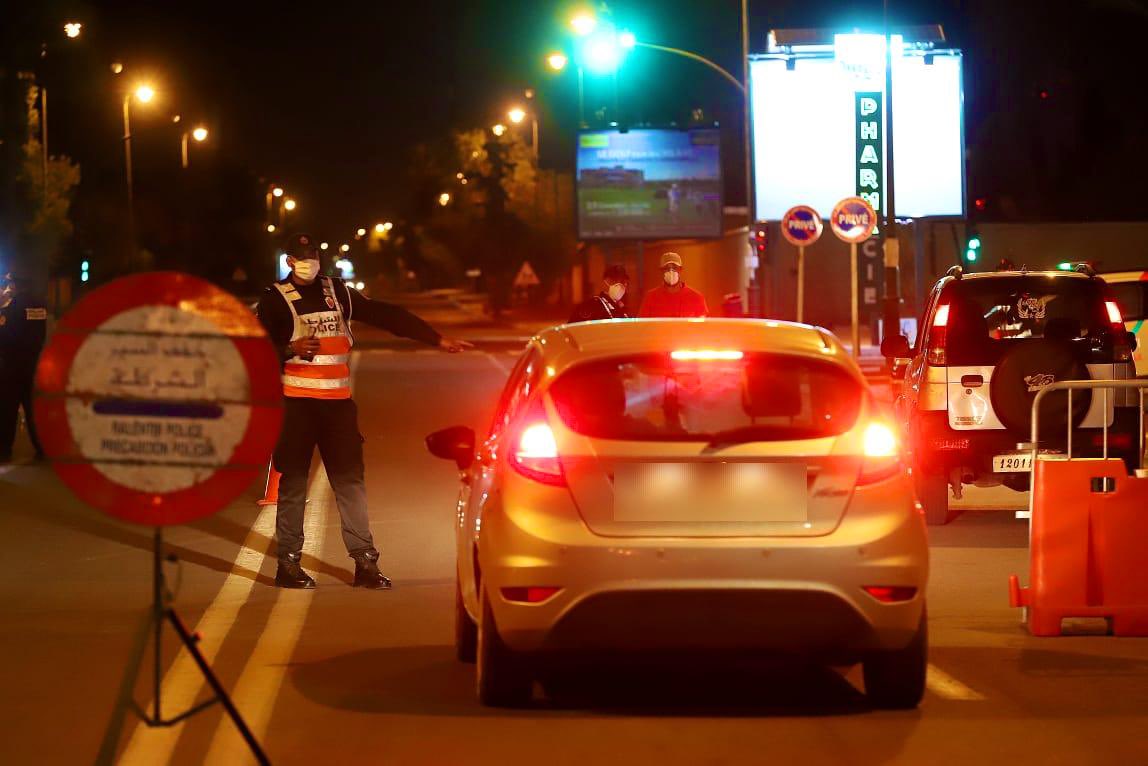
[
  {"x": 895, "y": 680},
  {"x": 933, "y": 494},
  {"x": 503, "y": 677},
  {"x": 465, "y": 631}
]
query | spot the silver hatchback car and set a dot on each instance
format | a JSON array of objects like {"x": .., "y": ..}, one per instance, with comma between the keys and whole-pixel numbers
[{"x": 693, "y": 485}]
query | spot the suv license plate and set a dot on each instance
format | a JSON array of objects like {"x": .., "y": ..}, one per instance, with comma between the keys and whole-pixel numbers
[{"x": 1015, "y": 463}]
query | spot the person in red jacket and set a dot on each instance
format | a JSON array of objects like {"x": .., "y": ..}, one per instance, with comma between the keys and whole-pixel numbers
[{"x": 674, "y": 298}]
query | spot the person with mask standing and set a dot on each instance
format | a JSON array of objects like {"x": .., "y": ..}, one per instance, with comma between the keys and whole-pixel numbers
[
  {"x": 607, "y": 304},
  {"x": 23, "y": 327},
  {"x": 306, "y": 316},
  {"x": 673, "y": 298}
]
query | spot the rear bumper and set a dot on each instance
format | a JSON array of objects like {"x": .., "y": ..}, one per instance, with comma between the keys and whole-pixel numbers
[{"x": 789, "y": 595}]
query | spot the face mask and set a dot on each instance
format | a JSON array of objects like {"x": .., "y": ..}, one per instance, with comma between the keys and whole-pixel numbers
[
  {"x": 307, "y": 269},
  {"x": 616, "y": 291},
  {"x": 671, "y": 277}
]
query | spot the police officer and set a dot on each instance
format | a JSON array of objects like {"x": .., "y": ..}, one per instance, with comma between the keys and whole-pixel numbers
[
  {"x": 307, "y": 317},
  {"x": 23, "y": 325},
  {"x": 607, "y": 304}
]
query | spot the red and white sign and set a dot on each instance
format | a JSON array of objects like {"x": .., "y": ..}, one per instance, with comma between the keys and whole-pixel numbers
[
  {"x": 853, "y": 220},
  {"x": 801, "y": 226},
  {"x": 158, "y": 398}
]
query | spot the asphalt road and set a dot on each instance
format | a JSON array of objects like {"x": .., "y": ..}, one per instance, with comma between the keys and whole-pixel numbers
[{"x": 338, "y": 675}]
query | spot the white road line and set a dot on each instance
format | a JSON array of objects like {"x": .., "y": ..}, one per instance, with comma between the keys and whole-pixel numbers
[
  {"x": 257, "y": 690},
  {"x": 943, "y": 685},
  {"x": 183, "y": 683},
  {"x": 502, "y": 368}
]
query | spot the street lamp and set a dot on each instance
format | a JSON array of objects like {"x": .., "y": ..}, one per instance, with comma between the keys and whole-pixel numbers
[
  {"x": 143, "y": 93},
  {"x": 270, "y": 228},
  {"x": 72, "y": 29},
  {"x": 444, "y": 199},
  {"x": 289, "y": 205},
  {"x": 199, "y": 134},
  {"x": 277, "y": 191},
  {"x": 380, "y": 228},
  {"x": 344, "y": 247},
  {"x": 498, "y": 129},
  {"x": 360, "y": 232},
  {"x": 516, "y": 115},
  {"x": 323, "y": 245},
  {"x": 556, "y": 61},
  {"x": 583, "y": 23}
]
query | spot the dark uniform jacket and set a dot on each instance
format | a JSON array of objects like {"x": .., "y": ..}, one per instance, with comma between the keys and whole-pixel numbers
[
  {"x": 599, "y": 307},
  {"x": 23, "y": 327},
  {"x": 276, "y": 316}
]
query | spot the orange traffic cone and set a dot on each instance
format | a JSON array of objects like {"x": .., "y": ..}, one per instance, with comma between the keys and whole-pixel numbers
[{"x": 271, "y": 489}]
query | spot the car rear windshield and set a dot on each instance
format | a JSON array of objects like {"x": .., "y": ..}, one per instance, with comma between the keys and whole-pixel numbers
[
  {"x": 986, "y": 315},
  {"x": 653, "y": 397}
]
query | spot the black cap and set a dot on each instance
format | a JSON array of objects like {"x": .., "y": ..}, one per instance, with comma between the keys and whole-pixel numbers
[
  {"x": 299, "y": 245},
  {"x": 616, "y": 272}
]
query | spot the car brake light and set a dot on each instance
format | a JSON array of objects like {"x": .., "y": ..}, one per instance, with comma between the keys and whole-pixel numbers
[
  {"x": 938, "y": 338},
  {"x": 1114, "y": 315},
  {"x": 534, "y": 452},
  {"x": 881, "y": 454},
  {"x": 530, "y": 594},
  {"x": 1122, "y": 440},
  {"x": 706, "y": 355},
  {"x": 888, "y": 594}
]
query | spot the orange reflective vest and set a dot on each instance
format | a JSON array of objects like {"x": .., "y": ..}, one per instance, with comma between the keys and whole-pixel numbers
[{"x": 328, "y": 374}]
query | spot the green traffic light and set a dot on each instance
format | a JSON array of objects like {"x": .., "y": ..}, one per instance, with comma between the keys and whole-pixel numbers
[
  {"x": 974, "y": 243},
  {"x": 1064, "y": 266},
  {"x": 970, "y": 255}
]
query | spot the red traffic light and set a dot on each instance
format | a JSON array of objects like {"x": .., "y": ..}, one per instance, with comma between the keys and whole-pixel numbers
[{"x": 980, "y": 203}]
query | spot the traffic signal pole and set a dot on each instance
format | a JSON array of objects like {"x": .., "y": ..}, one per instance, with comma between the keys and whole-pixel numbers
[{"x": 892, "y": 303}]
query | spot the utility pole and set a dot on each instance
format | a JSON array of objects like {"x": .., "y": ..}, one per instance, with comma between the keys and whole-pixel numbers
[
  {"x": 756, "y": 282},
  {"x": 133, "y": 251},
  {"x": 892, "y": 307}
]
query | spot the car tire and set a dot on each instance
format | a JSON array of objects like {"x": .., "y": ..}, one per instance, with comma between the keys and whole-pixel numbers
[
  {"x": 933, "y": 494},
  {"x": 895, "y": 680},
  {"x": 465, "y": 631},
  {"x": 503, "y": 676}
]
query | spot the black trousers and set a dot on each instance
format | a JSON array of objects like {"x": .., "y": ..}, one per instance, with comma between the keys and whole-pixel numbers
[
  {"x": 332, "y": 425},
  {"x": 16, "y": 392}
]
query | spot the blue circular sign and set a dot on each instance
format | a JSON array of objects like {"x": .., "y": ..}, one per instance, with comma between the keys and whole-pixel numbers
[
  {"x": 853, "y": 220},
  {"x": 801, "y": 226}
]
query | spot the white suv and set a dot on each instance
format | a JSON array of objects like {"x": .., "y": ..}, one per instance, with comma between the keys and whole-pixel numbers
[{"x": 988, "y": 343}]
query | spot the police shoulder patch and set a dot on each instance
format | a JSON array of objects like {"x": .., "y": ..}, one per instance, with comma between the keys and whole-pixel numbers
[{"x": 36, "y": 314}]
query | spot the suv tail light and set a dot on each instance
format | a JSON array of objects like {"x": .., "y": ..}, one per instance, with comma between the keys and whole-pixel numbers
[
  {"x": 881, "y": 454},
  {"x": 534, "y": 450},
  {"x": 889, "y": 594},
  {"x": 938, "y": 337}
]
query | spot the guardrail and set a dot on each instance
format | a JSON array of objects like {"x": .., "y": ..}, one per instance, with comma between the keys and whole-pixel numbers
[{"x": 1077, "y": 385}]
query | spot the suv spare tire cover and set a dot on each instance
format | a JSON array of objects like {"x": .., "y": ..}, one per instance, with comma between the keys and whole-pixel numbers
[{"x": 1023, "y": 372}]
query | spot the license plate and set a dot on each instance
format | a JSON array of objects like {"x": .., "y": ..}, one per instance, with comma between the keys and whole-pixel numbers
[
  {"x": 711, "y": 492},
  {"x": 1015, "y": 463}
]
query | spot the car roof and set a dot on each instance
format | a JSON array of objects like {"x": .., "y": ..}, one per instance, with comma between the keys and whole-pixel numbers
[
  {"x": 565, "y": 345},
  {"x": 998, "y": 274}
]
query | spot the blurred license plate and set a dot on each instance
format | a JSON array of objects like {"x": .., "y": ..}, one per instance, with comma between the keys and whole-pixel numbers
[
  {"x": 711, "y": 492},
  {"x": 1015, "y": 463}
]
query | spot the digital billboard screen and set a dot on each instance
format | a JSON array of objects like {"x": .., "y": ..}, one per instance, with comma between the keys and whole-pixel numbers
[
  {"x": 649, "y": 184},
  {"x": 815, "y": 118}
]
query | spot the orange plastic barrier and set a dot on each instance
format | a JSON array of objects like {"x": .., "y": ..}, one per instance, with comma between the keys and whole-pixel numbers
[
  {"x": 271, "y": 488},
  {"x": 1089, "y": 547}
]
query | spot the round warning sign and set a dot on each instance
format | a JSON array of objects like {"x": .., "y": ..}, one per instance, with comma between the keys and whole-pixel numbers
[
  {"x": 159, "y": 399},
  {"x": 801, "y": 226},
  {"x": 853, "y": 220}
]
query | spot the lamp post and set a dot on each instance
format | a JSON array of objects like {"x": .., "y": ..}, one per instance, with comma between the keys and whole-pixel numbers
[
  {"x": 144, "y": 94},
  {"x": 288, "y": 206},
  {"x": 72, "y": 31},
  {"x": 273, "y": 193},
  {"x": 892, "y": 307},
  {"x": 199, "y": 134}
]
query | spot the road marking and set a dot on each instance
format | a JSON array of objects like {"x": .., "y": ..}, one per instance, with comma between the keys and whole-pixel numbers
[
  {"x": 257, "y": 690},
  {"x": 498, "y": 365},
  {"x": 183, "y": 682},
  {"x": 943, "y": 685}
]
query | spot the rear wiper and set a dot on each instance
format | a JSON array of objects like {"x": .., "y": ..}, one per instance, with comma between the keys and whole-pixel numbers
[{"x": 745, "y": 434}]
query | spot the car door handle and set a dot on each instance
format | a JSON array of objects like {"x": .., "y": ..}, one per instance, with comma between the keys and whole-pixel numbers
[{"x": 972, "y": 381}]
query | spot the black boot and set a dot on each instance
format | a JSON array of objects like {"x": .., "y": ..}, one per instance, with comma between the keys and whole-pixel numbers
[
  {"x": 290, "y": 574},
  {"x": 367, "y": 574}
]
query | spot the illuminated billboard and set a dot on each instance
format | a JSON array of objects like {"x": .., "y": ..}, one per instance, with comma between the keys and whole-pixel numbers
[
  {"x": 818, "y": 128},
  {"x": 649, "y": 184}
]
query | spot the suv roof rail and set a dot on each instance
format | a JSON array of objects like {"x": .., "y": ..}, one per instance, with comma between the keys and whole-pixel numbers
[
  {"x": 956, "y": 272},
  {"x": 1084, "y": 268}
]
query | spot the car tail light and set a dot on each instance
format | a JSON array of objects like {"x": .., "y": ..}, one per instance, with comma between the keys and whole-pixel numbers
[
  {"x": 529, "y": 595},
  {"x": 1121, "y": 440},
  {"x": 706, "y": 355},
  {"x": 534, "y": 450},
  {"x": 1114, "y": 315},
  {"x": 889, "y": 594},
  {"x": 938, "y": 338},
  {"x": 880, "y": 453}
]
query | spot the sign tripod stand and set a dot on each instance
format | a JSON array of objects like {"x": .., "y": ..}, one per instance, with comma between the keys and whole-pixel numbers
[{"x": 162, "y": 611}]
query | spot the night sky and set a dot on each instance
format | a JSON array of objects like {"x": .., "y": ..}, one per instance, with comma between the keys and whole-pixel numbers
[{"x": 330, "y": 99}]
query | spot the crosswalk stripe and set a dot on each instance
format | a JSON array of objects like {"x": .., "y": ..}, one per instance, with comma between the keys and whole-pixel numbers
[{"x": 944, "y": 685}]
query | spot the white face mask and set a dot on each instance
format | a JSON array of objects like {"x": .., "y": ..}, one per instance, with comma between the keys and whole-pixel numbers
[
  {"x": 306, "y": 269},
  {"x": 616, "y": 291},
  {"x": 671, "y": 277}
]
